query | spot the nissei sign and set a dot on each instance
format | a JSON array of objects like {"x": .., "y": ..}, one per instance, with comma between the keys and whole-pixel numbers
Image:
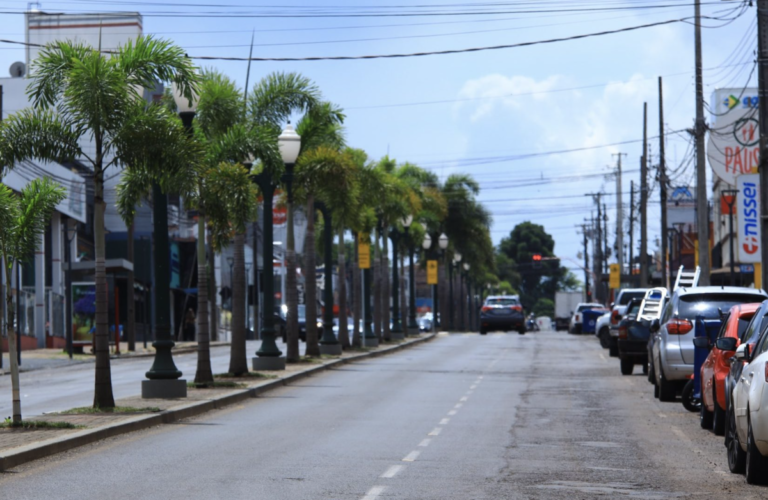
[
  {"x": 733, "y": 147},
  {"x": 748, "y": 216}
]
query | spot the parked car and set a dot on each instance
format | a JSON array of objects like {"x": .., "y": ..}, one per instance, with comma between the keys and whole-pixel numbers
[
  {"x": 565, "y": 304},
  {"x": 302, "y": 310},
  {"x": 672, "y": 351},
  {"x": 718, "y": 364},
  {"x": 502, "y": 312},
  {"x": 425, "y": 322},
  {"x": 618, "y": 311},
  {"x": 750, "y": 336},
  {"x": 603, "y": 328},
  {"x": 576, "y": 317},
  {"x": 750, "y": 407},
  {"x": 633, "y": 339}
]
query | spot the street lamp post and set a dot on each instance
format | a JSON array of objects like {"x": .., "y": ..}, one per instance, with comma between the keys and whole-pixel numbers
[
  {"x": 729, "y": 196},
  {"x": 465, "y": 319},
  {"x": 442, "y": 243},
  {"x": 413, "y": 326},
  {"x": 369, "y": 338},
  {"x": 396, "y": 332},
  {"x": 329, "y": 344},
  {"x": 164, "y": 378},
  {"x": 454, "y": 264},
  {"x": 247, "y": 309},
  {"x": 71, "y": 233}
]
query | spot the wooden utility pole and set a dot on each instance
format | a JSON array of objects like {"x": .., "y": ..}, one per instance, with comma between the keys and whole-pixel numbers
[
  {"x": 762, "y": 78},
  {"x": 585, "y": 231},
  {"x": 644, "y": 202},
  {"x": 663, "y": 184},
  {"x": 619, "y": 215},
  {"x": 702, "y": 208},
  {"x": 606, "y": 250},
  {"x": 631, "y": 230}
]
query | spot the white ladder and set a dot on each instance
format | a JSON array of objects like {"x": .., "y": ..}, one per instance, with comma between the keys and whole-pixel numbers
[
  {"x": 687, "y": 279},
  {"x": 653, "y": 304}
]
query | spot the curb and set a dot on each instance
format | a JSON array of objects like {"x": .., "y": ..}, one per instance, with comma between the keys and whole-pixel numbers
[{"x": 35, "y": 451}]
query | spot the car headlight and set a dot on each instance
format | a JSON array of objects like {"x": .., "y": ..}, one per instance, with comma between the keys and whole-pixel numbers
[
  {"x": 284, "y": 308},
  {"x": 319, "y": 324}
]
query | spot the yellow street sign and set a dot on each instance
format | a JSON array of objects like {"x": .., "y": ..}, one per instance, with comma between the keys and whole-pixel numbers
[
  {"x": 431, "y": 272},
  {"x": 615, "y": 276},
  {"x": 364, "y": 255}
]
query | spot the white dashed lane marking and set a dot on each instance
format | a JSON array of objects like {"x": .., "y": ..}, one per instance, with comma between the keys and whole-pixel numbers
[
  {"x": 412, "y": 456},
  {"x": 445, "y": 421},
  {"x": 425, "y": 442},
  {"x": 392, "y": 471},
  {"x": 374, "y": 493},
  {"x": 436, "y": 431}
]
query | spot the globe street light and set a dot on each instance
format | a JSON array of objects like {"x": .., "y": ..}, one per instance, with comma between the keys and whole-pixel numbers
[
  {"x": 164, "y": 378},
  {"x": 456, "y": 260},
  {"x": 464, "y": 319},
  {"x": 413, "y": 326}
]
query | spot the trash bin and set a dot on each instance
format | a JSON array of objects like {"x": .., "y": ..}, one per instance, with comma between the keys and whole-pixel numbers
[{"x": 590, "y": 319}]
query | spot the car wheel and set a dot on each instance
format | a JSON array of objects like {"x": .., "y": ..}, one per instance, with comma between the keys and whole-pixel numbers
[
  {"x": 667, "y": 391},
  {"x": 521, "y": 331},
  {"x": 627, "y": 367},
  {"x": 651, "y": 373},
  {"x": 689, "y": 402},
  {"x": 705, "y": 416},
  {"x": 613, "y": 351},
  {"x": 718, "y": 420},
  {"x": 645, "y": 368},
  {"x": 737, "y": 458},
  {"x": 656, "y": 391},
  {"x": 483, "y": 331},
  {"x": 755, "y": 462},
  {"x": 604, "y": 337}
]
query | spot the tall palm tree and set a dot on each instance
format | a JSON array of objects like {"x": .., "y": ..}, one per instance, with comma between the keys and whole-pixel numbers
[
  {"x": 78, "y": 91},
  {"x": 22, "y": 222},
  {"x": 274, "y": 100}
]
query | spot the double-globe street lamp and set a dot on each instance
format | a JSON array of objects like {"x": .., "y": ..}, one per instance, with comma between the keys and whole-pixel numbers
[
  {"x": 435, "y": 253},
  {"x": 268, "y": 357},
  {"x": 164, "y": 379},
  {"x": 454, "y": 264}
]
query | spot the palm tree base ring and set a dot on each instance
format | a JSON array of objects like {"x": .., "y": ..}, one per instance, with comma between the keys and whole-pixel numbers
[
  {"x": 163, "y": 389},
  {"x": 396, "y": 335},
  {"x": 370, "y": 342},
  {"x": 268, "y": 363},
  {"x": 331, "y": 349}
]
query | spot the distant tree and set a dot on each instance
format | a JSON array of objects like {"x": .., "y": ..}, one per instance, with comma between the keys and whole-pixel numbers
[{"x": 544, "y": 307}]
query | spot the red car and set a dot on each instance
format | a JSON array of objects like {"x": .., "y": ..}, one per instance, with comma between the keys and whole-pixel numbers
[{"x": 716, "y": 368}]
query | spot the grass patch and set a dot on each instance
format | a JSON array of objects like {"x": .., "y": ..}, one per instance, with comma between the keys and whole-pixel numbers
[
  {"x": 310, "y": 360},
  {"x": 245, "y": 375},
  {"x": 91, "y": 410},
  {"x": 217, "y": 384},
  {"x": 38, "y": 424}
]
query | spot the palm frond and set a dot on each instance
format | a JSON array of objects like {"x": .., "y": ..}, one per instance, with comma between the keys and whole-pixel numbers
[
  {"x": 38, "y": 199},
  {"x": 35, "y": 133},
  {"x": 278, "y": 95}
]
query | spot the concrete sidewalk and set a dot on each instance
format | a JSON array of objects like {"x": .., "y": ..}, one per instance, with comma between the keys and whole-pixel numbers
[{"x": 18, "y": 446}]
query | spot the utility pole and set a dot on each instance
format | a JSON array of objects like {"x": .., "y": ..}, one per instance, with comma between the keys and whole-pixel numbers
[
  {"x": 644, "y": 202},
  {"x": 702, "y": 214},
  {"x": 631, "y": 230},
  {"x": 663, "y": 184},
  {"x": 584, "y": 231},
  {"x": 599, "y": 255},
  {"x": 762, "y": 78},
  {"x": 619, "y": 215},
  {"x": 606, "y": 250}
]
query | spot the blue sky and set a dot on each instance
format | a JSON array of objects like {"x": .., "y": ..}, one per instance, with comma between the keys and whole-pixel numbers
[{"x": 499, "y": 103}]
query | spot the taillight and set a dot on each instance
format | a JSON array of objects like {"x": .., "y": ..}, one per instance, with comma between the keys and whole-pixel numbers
[
  {"x": 615, "y": 318},
  {"x": 485, "y": 309},
  {"x": 516, "y": 308},
  {"x": 578, "y": 318},
  {"x": 679, "y": 326},
  {"x": 623, "y": 332}
]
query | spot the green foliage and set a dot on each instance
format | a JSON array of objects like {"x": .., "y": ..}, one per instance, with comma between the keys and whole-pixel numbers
[{"x": 544, "y": 307}]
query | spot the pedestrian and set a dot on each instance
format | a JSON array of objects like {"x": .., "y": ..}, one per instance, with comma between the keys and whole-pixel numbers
[{"x": 189, "y": 325}]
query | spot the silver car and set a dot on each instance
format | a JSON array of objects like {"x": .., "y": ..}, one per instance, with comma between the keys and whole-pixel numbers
[{"x": 672, "y": 342}]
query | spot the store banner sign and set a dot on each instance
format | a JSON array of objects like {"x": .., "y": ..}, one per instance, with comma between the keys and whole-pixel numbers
[{"x": 748, "y": 217}]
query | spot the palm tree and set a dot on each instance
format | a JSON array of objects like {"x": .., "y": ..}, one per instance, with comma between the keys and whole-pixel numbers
[
  {"x": 274, "y": 99},
  {"x": 22, "y": 221},
  {"x": 77, "y": 92}
]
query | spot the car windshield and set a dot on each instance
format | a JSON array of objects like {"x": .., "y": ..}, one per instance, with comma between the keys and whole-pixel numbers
[
  {"x": 507, "y": 301},
  {"x": 754, "y": 332},
  {"x": 709, "y": 305},
  {"x": 626, "y": 297},
  {"x": 633, "y": 309}
]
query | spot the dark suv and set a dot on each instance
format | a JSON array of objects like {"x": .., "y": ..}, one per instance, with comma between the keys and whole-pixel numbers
[{"x": 502, "y": 312}]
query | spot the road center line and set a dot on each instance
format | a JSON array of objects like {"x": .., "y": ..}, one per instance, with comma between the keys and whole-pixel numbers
[
  {"x": 452, "y": 412},
  {"x": 435, "y": 431},
  {"x": 412, "y": 456},
  {"x": 474, "y": 386},
  {"x": 374, "y": 493},
  {"x": 458, "y": 405},
  {"x": 392, "y": 471},
  {"x": 463, "y": 398},
  {"x": 445, "y": 421},
  {"x": 425, "y": 442}
]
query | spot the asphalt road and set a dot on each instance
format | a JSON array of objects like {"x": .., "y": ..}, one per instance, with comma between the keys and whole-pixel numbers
[
  {"x": 540, "y": 416},
  {"x": 70, "y": 385}
]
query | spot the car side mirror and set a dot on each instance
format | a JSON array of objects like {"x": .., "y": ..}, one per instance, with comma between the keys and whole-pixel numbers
[
  {"x": 655, "y": 326},
  {"x": 726, "y": 344},
  {"x": 701, "y": 342},
  {"x": 612, "y": 303},
  {"x": 742, "y": 353}
]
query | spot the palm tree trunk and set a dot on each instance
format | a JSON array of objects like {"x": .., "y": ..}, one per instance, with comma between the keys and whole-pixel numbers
[
  {"x": 131, "y": 298},
  {"x": 357, "y": 297},
  {"x": 214, "y": 308},
  {"x": 204, "y": 374},
  {"x": 403, "y": 310},
  {"x": 310, "y": 283},
  {"x": 343, "y": 330},
  {"x": 12, "y": 348},
  {"x": 377, "y": 315},
  {"x": 385, "y": 288},
  {"x": 238, "y": 364},
  {"x": 102, "y": 396},
  {"x": 291, "y": 292}
]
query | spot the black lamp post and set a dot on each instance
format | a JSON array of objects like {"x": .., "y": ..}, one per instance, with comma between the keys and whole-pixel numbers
[
  {"x": 413, "y": 326},
  {"x": 164, "y": 378},
  {"x": 70, "y": 231},
  {"x": 329, "y": 344},
  {"x": 396, "y": 332},
  {"x": 369, "y": 339},
  {"x": 453, "y": 265},
  {"x": 436, "y": 254},
  {"x": 729, "y": 196},
  {"x": 465, "y": 319}
]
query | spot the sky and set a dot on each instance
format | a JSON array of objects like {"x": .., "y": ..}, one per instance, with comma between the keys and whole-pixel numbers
[{"x": 504, "y": 116}]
